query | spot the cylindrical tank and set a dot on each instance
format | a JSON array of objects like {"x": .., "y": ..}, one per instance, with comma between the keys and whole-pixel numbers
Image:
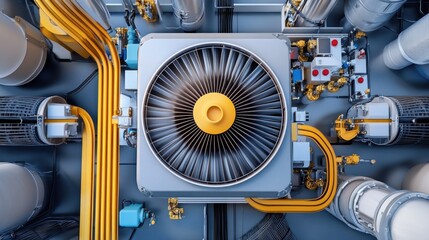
[
  {"x": 22, "y": 120},
  {"x": 314, "y": 11},
  {"x": 411, "y": 46},
  {"x": 368, "y": 15},
  {"x": 22, "y": 194},
  {"x": 23, "y": 51},
  {"x": 406, "y": 120},
  {"x": 417, "y": 179},
  {"x": 373, "y": 207},
  {"x": 189, "y": 13}
]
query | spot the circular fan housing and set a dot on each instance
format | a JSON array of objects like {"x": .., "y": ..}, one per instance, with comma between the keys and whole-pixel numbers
[{"x": 208, "y": 152}]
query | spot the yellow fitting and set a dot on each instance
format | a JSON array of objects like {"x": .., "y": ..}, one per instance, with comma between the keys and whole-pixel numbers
[
  {"x": 301, "y": 45},
  {"x": 121, "y": 31},
  {"x": 312, "y": 184},
  {"x": 342, "y": 126},
  {"x": 311, "y": 45},
  {"x": 313, "y": 94},
  {"x": 174, "y": 211},
  {"x": 214, "y": 113},
  {"x": 360, "y": 34},
  {"x": 296, "y": 3},
  {"x": 334, "y": 86},
  {"x": 353, "y": 159},
  {"x": 147, "y": 9}
]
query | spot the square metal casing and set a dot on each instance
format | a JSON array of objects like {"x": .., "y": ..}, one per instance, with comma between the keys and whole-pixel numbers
[{"x": 153, "y": 179}]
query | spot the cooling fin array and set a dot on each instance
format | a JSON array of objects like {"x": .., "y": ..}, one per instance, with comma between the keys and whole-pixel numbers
[{"x": 186, "y": 149}]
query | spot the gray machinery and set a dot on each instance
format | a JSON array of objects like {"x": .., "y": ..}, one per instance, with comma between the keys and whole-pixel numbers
[
  {"x": 307, "y": 13},
  {"x": 28, "y": 121},
  {"x": 214, "y": 119},
  {"x": 387, "y": 121},
  {"x": 188, "y": 92}
]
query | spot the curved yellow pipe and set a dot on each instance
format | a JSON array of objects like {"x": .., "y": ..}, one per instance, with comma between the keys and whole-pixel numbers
[
  {"x": 92, "y": 37},
  {"x": 306, "y": 205},
  {"x": 87, "y": 176}
]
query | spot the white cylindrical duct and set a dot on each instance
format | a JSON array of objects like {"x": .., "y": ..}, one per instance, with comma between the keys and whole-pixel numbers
[
  {"x": 368, "y": 15},
  {"x": 189, "y": 13},
  {"x": 22, "y": 194},
  {"x": 402, "y": 227},
  {"x": 373, "y": 207},
  {"x": 411, "y": 46},
  {"x": 417, "y": 179},
  {"x": 23, "y": 51},
  {"x": 314, "y": 12}
]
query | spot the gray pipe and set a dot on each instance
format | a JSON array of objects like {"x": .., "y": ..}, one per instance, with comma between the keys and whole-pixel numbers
[
  {"x": 314, "y": 11},
  {"x": 411, "y": 46},
  {"x": 368, "y": 15},
  {"x": 190, "y": 13}
]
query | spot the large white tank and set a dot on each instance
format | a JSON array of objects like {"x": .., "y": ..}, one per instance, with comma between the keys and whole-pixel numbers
[
  {"x": 23, "y": 51},
  {"x": 411, "y": 46},
  {"x": 21, "y": 195},
  {"x": 368, "y": 15}
]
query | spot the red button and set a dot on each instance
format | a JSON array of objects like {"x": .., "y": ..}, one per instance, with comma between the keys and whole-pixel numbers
[
  {"x": 325, "y": 72},
  {"x": 315, "y": 72},
  {"x": 334, "y": 42},
  {"x": 360, "y": 80}
]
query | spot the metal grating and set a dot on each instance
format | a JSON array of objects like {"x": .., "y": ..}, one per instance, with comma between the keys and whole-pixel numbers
[
  {"x": 214, "y": 159},
  {"x": 18, "y": 118},
  {"x": 413, "y": 118}
]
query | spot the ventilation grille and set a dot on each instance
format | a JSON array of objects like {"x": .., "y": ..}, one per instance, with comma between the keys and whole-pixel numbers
[
  {"x": 18, "y": 119},
  {"x": 204, "y": 158},
  {"x": 412, "y": 108}
]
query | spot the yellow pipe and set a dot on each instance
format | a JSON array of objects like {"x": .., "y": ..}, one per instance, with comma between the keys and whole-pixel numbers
[
  {"x": 113, "y": 91},
  {"x": 306, "y": 205},
  {"x": 372, "y": 120},
  {"x": 115, "y": 135},
  {"x": 85, "y": 229},
  {"x": 104, "y": 200},
  {"x": 115, "y": 132},
  {"x": 60, "y": 120},
  {"x": 87, "y": 177}
]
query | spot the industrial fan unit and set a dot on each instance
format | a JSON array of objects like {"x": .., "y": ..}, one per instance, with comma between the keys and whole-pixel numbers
[{"x": 213, "y": 116}]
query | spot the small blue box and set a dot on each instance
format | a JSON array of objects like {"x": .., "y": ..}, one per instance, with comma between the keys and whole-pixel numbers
[
  {"x": 130, "y": 216},
  {"x": 296, "y": 75},
  {"x": 132, "y": 56}
]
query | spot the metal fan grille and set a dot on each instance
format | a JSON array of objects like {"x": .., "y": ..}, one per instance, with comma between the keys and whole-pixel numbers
[
  {"x": 410, "y": 108},
  {"x": 204, "y": 158},
  {"x": 14, "y": 109}
]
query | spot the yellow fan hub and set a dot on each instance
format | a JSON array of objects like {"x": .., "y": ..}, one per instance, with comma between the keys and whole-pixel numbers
[{"x": 214, "y": 113}]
